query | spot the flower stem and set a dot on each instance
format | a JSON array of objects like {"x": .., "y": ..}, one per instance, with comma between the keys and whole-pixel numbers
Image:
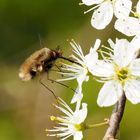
[
  {"x": 98, "y": 124},
  {"x": 115, "y": 119}
]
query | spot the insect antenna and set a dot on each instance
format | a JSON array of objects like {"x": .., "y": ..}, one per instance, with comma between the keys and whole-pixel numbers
[{"x": 41, "y": 41}]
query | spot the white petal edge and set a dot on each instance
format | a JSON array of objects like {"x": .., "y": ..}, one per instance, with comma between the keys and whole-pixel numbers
[
  {"x": 78, "y": 136},
  {"x": 91, "y": 2},
  {"x": 92, "y": 55},
  {"x": 81, "y": 114},
  {"x": 91, "y": 59},
  {"x": 96, "y": 45},
  {"x": 123, "y": 52},
  {"x": 122, "y": 8},
  {"x": 138, "y": 7},
  {"x": 78, "y": 95},
  {"x": 135, "y": 67},
  {"x": 129, "y": 26},
  {"x": 102, "y": 69},
  {"x": 102, "y": 16},
  {"x": 132, "y": 91},
  {"x": 109, "y": 94},
  {"x": 111, "y": 43},
  {"x": 135, "y": 42}
]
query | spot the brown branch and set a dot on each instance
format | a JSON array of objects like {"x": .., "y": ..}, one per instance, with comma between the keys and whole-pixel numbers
[{"x": 115, "y": 119}]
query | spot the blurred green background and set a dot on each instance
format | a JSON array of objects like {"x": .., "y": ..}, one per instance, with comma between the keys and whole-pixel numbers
[{"x": 27, "y": 25}]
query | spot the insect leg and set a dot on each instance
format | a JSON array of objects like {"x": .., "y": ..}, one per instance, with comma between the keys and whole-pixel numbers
[
  {"x": 53, "y": 81},
  {"x": 58, "y": 67},
  {"x": 56, "y": 97}
]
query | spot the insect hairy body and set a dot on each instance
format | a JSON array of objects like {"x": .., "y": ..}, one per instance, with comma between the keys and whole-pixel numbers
[{"x": 40, "y": 61}]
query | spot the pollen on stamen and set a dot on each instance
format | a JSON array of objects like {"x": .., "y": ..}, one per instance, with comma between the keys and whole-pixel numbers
[
  {"x": 136, "y": 14},
  {"x": 53, "y": 118},
  {"x": 49, "y": 135}
]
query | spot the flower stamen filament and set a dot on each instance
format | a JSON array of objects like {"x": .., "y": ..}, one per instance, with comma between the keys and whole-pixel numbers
[{"x": 98, "y": 124}]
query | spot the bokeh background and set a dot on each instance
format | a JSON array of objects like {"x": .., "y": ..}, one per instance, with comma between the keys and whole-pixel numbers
[{"x": 25, "y": 107}]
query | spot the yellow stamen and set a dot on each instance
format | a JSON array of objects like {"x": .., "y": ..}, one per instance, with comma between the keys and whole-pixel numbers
[
  {"x": 53, "y": 118},
  {"x": 136, "y": 14}
]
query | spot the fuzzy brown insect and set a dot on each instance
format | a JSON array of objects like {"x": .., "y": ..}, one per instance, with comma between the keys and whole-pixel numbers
[
  {"x": 39, "y": 62},
  {"x": 42, "y": 61}
]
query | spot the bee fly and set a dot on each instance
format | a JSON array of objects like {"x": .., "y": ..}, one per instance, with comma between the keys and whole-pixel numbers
[{"x": 39, "y": 62}]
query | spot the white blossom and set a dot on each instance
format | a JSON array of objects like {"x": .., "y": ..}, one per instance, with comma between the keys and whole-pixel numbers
[
  {"x": 80, "y": 69},
  {"x": 71, "y": 123},
  {"x": 120, "y": 72},
  {"x": 104, "y": 10},
  {"x": 130, "y": 26}
]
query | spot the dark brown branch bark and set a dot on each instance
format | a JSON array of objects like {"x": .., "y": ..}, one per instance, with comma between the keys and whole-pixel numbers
[{"x": 115, "y": 119}]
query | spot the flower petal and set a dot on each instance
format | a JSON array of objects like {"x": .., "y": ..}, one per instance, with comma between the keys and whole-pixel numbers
[
  {"x": 135, "y": 67},
  {"x": 81, "y": 78},
  {"x": 80, "y": 115},
  {"x": 93, "y": 55},
  {"x": 129, "y": 26},
  {"x": 135, "y": 42},
  {"x": 91, "y": 2},
  {"x": 96, "y": 45},
  {"x": 78, "y": 95},
  {"x": 132, "y": 91},
  {"x": 111, "y": 43},
  {"x": 109, "y": 93},
  {"x": 123, "y": 52},
  {"x": 138, "y": 7},
  {"x": 102, "y": 16},
  {"x": 103, "y": 69},
  {"x": 78, "y": 136},
  {"x": 122, "y": 8}
]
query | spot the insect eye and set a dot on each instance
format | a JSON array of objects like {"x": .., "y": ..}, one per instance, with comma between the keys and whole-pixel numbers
[{"x": 33, "y": 73}]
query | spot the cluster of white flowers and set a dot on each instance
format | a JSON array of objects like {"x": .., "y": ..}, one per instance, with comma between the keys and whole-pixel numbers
[
  {"x": 80, "y": 70},
  {"x": 104, "y": 10},
  {"x": 71, "y": 124},
  {"x": 118, "y": 68}
]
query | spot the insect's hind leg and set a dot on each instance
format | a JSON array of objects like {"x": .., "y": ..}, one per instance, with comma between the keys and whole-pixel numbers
[
  {"x": 58, "y": 67},
  {"x": 54, "y": 81},
  {"x": 56, "y": 97}
]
